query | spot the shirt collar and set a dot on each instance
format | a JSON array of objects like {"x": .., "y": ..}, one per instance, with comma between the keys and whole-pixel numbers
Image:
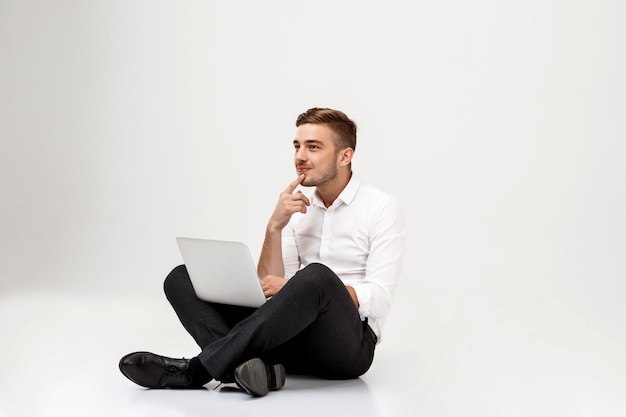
[{"x": 346, "y": 196}]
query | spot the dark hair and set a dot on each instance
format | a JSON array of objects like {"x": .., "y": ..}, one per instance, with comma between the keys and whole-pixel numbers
[{"x": 337, "y": 121}]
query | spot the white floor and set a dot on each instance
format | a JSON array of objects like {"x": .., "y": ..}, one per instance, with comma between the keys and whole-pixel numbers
[{"x": 60, "y": 354}]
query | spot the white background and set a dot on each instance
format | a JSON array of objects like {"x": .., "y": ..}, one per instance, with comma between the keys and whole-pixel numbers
[{"x": 499, "y": 125}]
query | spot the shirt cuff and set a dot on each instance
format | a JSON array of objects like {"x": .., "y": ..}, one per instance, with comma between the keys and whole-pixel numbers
[{"x": 364, "y": 296}]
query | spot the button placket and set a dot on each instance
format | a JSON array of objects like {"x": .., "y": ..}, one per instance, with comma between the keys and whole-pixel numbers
[{"x": 325, "y": 238}]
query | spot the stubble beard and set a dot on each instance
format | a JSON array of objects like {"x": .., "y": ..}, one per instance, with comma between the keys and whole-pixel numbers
[{"x": 328, "y": 174}]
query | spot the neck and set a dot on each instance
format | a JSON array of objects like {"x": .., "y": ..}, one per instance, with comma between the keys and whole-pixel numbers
[{"x": 329, "y": 191}]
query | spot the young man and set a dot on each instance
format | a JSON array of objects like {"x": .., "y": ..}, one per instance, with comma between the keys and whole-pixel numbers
[{"x": 330, "y": 262}]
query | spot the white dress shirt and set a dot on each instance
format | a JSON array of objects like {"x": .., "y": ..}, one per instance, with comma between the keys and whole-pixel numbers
[{"x": 360, "y": 237}]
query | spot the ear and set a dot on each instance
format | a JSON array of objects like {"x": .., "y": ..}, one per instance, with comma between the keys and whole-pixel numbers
[{"x": 346, "y": 156}]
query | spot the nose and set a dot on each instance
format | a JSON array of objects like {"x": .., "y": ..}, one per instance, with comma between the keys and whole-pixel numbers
[{"x": 301, "y": 154}]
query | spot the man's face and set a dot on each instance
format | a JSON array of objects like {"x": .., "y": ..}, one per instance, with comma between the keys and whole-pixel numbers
[{"x": 316, "y": 155}]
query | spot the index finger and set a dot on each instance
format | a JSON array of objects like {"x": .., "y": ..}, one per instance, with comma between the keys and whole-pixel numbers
[{"x": 292, "y": 186}]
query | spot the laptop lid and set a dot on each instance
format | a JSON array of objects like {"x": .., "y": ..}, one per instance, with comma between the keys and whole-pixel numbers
[{"x": 222, "y": 272}]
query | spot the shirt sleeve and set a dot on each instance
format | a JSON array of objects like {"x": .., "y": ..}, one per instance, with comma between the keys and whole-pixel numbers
[
  {"x": 291, "y": 258},
  {"x": 384, "y": 263}
]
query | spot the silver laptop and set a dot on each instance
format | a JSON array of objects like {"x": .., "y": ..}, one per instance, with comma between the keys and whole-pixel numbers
[{"x": 222, "y": 272}]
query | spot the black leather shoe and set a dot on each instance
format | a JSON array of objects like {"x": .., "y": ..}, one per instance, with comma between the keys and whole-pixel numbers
[
  {"x": 257, "y": 379},
  {"x": 155, "y": 371}
]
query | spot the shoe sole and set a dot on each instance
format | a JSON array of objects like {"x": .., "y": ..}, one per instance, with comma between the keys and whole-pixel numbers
[
  {"x": 278, "y": 377},
  {"x": 257, "y": 379}
]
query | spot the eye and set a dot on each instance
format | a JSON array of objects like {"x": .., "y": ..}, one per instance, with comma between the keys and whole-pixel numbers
[{"x": 313, "y": 147}]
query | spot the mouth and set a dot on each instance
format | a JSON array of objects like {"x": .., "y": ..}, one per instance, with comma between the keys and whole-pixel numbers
[{"x": 303, "y": 170}]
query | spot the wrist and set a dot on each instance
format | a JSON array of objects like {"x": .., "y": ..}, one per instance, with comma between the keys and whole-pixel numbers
[
  {"x": 273, "y": 229},
  {"x": 353, "y": 295}
]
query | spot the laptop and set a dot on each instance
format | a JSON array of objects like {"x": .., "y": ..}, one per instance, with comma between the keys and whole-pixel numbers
[{"x": 222, "y": 271}]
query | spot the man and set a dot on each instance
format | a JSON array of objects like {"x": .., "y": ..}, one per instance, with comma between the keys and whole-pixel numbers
[{"x": 330, "y": 262}]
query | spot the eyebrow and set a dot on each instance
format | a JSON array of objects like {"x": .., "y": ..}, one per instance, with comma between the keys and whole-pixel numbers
[{"x": 309, "y": 141}]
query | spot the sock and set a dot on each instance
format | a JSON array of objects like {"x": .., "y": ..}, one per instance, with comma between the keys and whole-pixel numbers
[{"x": 198, "y": 373}]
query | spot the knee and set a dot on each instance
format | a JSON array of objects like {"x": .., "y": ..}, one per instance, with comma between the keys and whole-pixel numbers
[
  {"x": 175, "y": 278},
  {"x": 319, "y": 275},
  {"x": 317, "y": 269}
]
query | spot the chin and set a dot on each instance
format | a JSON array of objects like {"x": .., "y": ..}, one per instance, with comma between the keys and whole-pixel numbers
[{"x": 309, "y": 182}]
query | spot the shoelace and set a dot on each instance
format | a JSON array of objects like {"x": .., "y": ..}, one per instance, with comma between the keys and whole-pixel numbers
[{"x": 175, "y": 377}]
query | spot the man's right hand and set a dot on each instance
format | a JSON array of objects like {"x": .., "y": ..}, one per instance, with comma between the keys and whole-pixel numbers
[
  {"x": 288, "y": 204},
  {"x": 271, "y": 285}
]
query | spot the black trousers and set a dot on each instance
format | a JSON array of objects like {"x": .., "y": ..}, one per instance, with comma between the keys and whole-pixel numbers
[{"x": 311, "y": 326}]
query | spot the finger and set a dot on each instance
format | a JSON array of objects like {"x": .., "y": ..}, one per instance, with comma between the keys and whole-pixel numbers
[
  {"x": 292, "y": 186},
  {"x": 297, "y": 208},
  {"x": 302, "y": 197},
  {"x": 298, "y": 204}
]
